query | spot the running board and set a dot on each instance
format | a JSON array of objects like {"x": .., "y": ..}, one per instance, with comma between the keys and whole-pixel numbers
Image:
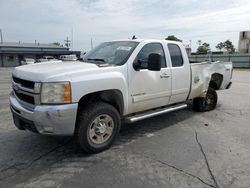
[{"x": 152, "y": 113}]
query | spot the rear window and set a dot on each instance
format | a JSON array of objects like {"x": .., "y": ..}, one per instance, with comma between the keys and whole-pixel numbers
[{"x": 176, "y": 55}]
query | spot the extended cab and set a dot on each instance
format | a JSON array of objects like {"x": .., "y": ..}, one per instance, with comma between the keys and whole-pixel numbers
[{"x": 127, "y": 80}]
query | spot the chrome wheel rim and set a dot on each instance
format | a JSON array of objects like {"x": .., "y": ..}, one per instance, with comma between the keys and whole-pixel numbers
[{"x": 101, "y": 129}]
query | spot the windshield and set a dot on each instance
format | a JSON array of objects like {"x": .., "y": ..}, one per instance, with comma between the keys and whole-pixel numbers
[{"x": 115, "y": 53}]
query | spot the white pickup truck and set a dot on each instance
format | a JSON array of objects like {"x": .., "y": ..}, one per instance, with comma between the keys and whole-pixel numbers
[{"x": 126, "y": 80}]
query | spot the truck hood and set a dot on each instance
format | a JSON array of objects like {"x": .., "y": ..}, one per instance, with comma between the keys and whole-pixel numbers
[{"x": 48, "y": 71}]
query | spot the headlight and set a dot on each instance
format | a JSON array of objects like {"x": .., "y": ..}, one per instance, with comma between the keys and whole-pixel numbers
[{"x": 56, "y": 93}]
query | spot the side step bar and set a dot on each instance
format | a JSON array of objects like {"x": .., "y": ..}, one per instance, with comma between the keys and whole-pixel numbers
[{"x": 152, "y": 113}]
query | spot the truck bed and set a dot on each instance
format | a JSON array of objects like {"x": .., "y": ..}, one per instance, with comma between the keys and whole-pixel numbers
[{"x": 202, "y": 73}]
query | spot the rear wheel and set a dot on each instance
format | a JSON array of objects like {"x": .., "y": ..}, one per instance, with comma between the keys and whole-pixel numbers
[
  {"x": 206, "y": 104},
  {"x": 98, "y": 125}
]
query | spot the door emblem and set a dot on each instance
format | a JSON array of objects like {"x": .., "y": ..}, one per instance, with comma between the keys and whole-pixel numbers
[{"x": 138, "y": 94}]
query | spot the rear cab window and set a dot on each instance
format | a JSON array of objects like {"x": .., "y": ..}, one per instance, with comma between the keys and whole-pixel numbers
[{"x": 175, "y": 55}]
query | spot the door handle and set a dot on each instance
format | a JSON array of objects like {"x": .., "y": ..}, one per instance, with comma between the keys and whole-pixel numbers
[{"x": 164, "y": 75}]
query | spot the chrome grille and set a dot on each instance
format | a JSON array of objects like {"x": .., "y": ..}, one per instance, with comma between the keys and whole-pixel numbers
[
  {"x": 24, "y": 83},
  {"x": 25, "y": 97},
  {"x": 26, "y": 91}
]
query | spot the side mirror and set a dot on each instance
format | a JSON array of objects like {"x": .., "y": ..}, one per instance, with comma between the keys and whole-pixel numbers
[
  {"x": 154, "y": 62},
  {"x": 137, "y": 65}
]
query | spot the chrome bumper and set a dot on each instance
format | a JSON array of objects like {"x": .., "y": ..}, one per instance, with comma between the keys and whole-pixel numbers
[{"x": 45, "y": 119}]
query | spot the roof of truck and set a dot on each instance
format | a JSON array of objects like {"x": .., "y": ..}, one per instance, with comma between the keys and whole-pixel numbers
[{"x": 149, "y": 40}]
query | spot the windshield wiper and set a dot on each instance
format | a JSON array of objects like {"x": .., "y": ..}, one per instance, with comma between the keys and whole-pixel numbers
[{"x": 96, "y": 59}]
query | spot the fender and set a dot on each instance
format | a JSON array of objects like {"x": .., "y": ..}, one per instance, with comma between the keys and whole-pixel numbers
[{"x": 109, "y": 79}]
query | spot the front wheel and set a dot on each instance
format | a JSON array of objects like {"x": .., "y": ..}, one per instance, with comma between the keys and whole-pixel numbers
[
  {"x": 206, "y": 104},
  {"x": 98, "y": 125}
]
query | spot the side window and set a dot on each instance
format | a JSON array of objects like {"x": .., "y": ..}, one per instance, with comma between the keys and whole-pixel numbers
[
  {"x": 175, "y": 54},
  {"x": 148, "y": 49}
]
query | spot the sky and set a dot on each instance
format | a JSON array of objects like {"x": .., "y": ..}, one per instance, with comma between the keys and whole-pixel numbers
[{"x": 48, "y": 21}]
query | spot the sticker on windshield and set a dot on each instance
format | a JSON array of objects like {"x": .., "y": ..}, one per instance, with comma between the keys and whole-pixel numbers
[{"x": 126, "y": 48}]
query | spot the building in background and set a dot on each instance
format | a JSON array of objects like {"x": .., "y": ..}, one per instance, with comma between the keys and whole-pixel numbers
[
  {"x": 244, "y": 42},
  {"x": 12, "y": 53}
]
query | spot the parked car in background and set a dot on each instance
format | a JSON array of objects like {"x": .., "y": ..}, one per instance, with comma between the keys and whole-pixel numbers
[
  {"x": 48, "y": 59},
  {"x": 27, "y": 61},
  {"x": 68, "y": 57},
  {"x": 41, "y": 60}
]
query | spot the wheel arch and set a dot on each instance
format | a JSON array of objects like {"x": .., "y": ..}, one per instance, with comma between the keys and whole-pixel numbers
[
  {"x": 113, "y": 97},
  {"x": 216, "y": 81}
]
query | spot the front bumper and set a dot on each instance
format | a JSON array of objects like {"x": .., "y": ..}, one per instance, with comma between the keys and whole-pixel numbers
[{"x": 44, "y": 119}]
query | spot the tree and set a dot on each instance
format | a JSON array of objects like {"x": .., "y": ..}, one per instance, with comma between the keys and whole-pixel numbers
[
  {"x": 204, "y": 48},
  {"x": 228, "y": 45},
  {"x": 174, "y": 38},
  {"x": 220, "y": 46},
  {"x": 206, "y": 45}
]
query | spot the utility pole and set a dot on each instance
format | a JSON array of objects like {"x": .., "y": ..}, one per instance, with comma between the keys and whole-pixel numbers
[
  {"x": 72, "y": 44},
  {"x": 67, "y": 42},
  {"x": 1, "y": 55},
  {"x": 91, "y": 43},
  {"x": 1, "y": 35}
]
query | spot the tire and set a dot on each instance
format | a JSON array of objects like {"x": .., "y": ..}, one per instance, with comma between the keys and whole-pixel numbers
[
  {"x": 206, "y": 104},
  {"x": 98, "y": 125}
]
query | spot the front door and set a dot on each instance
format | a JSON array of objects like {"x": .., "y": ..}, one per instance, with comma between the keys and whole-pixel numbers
[{"x": 149, "y": 89}]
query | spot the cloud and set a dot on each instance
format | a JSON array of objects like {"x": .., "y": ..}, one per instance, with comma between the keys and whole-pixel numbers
[{"x": 49, "y": 21}]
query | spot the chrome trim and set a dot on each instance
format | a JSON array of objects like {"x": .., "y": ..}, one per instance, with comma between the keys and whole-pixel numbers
[
  {"x": 156, "y": 112},
  {"x": 37, "y": 99},
  {"x": 37, "y": 87},
  {"x": 164, "y": 75},
  {"x": 28, "y": 106},
  {"x": 14, "y": 84},
  {"x": 24, "y": 92}
]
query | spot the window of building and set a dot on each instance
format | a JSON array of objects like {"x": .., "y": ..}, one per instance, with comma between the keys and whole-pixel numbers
[
  {"x": 243, "y": 35},
  {"x": 10, "y": 58},
  {"x": 147, "y": 50},
  {"x": 176, "y": 55}
]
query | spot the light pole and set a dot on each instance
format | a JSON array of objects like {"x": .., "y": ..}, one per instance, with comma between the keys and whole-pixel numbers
[
  {"x": 1, "y": 35},
  {"x": 1, "y": 55},
  {"x": 91, "y": 43}
]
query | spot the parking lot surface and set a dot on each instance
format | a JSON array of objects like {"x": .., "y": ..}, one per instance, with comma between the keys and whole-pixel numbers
[{"x": 179, "y": 149}]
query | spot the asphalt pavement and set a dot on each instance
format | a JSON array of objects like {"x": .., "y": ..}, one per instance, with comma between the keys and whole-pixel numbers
[{"x": 179, "y": 149}]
